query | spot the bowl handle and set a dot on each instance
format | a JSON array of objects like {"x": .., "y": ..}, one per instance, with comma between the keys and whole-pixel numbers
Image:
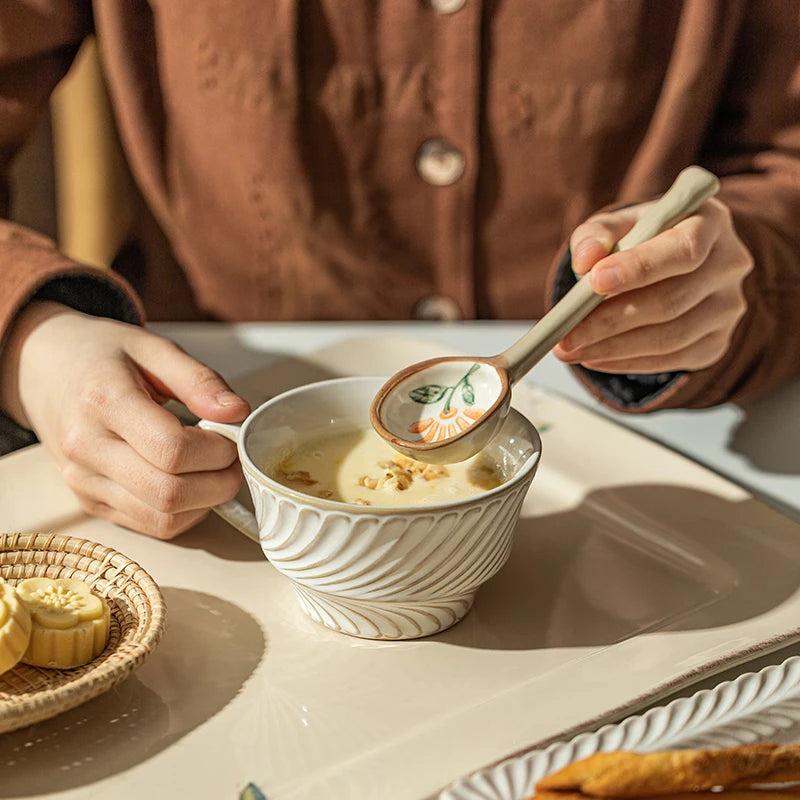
[{"x": 233, "y": 512}]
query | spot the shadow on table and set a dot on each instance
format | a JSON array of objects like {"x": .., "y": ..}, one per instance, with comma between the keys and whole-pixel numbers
[
  {"x": 217, "y": 537},
  {"x": 631, "y": 559},
  {"x": 131, "y": 723},
  {"x": 280, "y": 374},
  {"x": 769, "y": 435}
]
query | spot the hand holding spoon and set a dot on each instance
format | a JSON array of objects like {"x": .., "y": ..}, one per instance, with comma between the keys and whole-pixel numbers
[{"x": 446, "y": 409}]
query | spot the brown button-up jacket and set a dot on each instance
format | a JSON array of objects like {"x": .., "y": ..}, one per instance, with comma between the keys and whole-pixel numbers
[{"x": 342, "y": 159}]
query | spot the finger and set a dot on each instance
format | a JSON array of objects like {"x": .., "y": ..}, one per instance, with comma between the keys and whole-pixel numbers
[
  {"x": 719, "y": 312},
  {"x": 699, "y": 355},
  {"x": 668, "y": 300},
  {"x": 117, "y": 462},
  {"x": 159, "y": 526},
  {"x": 173, "y": 373},
  {"x": 122, "y": 405},
  {"x": 676, "y": 251},
  {"x": 593, "y": 240}
]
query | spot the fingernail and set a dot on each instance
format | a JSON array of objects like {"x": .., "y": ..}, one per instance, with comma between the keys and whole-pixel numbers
[
  {"x": 573, "y": 341},
  {"x": 606, "y": 280},
  {"x": 585, "y": 245},
  {"x": 580, "y": 261},
  {"x": 228, "y": 398}
]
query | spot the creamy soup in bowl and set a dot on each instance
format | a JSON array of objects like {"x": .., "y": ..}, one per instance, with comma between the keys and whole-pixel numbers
[
  {"x": 359, "y": 467},
  {"x": 364, "y": 556}
]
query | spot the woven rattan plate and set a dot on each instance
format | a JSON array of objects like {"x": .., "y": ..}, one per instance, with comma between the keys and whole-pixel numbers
[{"x": 30, "y": 694}]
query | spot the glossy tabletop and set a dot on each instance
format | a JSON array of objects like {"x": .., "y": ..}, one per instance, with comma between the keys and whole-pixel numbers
[{"x": 244, "y": 688}]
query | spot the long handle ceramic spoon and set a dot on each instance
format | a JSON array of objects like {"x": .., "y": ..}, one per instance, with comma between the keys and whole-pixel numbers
[{"x": 446, "y": 409}]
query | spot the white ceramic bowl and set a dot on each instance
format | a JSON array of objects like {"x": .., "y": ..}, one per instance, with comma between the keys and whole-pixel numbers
[{"x": 371, "y": 571}]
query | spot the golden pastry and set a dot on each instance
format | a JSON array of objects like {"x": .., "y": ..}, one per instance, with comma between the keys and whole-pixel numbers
[
  {"x": 627, "y": 774},
  {"x": 15, "y": 627},
  {"x": 790, "y": 793},
  {"x": 69, "y": 622}
]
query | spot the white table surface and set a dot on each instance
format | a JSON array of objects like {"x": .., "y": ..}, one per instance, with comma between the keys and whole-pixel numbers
[{"x": 757, "y": 447}]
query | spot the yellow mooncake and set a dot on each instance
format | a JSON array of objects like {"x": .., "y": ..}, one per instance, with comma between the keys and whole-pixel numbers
[
  {"x": 70, "y": 623},
  {"x": 15, "y": 627}
]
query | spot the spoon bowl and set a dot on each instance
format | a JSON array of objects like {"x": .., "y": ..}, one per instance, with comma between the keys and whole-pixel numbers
[
  {"x": 445, "y": 410},
  {"x": 460, "y": 401}
]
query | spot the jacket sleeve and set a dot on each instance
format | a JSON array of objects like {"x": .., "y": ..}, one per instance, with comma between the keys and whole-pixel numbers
[
  {"x": 37, "y": 44},
  {"x": 754, "y": 146}
]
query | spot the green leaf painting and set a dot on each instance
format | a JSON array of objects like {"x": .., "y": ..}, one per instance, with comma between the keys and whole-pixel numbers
[
  {"x": 434, "y": 392},
  {"x": 468, "y": 394}
]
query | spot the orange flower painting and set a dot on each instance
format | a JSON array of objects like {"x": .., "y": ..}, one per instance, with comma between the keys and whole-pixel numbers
[
  {"x": 450, "y": 423},
  {"x": 451, "y": 420}
]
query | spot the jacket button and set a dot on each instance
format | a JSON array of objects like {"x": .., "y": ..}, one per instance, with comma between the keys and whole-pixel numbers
[
  {"x": 439, "y": 163},
  {"x": 437, "y": 308},
  {"x": 447, "y": 6}
]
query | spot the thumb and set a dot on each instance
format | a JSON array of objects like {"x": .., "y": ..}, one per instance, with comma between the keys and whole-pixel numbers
[{"x": 173, "y": 373}]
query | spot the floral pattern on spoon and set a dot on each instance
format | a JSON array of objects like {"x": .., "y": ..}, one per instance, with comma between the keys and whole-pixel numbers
[{"x": 452, "y": 420}]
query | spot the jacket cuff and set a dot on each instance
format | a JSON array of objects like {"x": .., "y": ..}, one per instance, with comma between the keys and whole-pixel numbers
[
  {"x": 91, "y": 294},
  {"x": 13, "y": 436},
  {"x": 632, "y": 392}
]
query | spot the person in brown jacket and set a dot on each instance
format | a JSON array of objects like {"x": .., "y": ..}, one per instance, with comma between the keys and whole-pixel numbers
[{"x": 342, "y": 159}]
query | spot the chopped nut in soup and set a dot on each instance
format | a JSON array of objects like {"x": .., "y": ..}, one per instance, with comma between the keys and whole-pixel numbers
[{"x": 359, "y": 467}]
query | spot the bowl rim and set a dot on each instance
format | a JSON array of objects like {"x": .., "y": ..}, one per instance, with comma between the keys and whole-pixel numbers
[{"x": 302, "y": 499}]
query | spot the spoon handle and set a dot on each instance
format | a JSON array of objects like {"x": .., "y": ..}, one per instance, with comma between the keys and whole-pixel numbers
[{"x": 693, "y": 186}]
